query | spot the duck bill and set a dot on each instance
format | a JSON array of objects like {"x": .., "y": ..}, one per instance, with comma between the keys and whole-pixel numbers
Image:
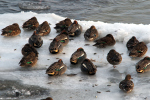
[
  {"x": 74, "y": 61},
  {"x": 4, "y": 34},
  {"x": 52, "y": 51},
  {"x": 140, "y": 71},
  {"x": 50, "y": 73},
  {"x": 71, "y": 34}
]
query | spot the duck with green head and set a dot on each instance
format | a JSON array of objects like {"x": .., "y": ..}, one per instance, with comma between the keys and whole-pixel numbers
[
  {"x": 143, "y": 65},
  {"x": 138, "y": 50},
  {"x": 88, "y": 67},
  {"x": 55, "y": 46},
  {"x": 126, "y": 85},
  {"x": 108, "y": 40},
  {"x": 131, "y": 43},
  {"x": 43, "y": 29},
  {"x": 57, "y": 68},
  {"x": 91, "y": 34},
  {"x": 78, "y": 56},
  {"x": 63, "y": 38},
  {"x": 31, "y": 24},
  {"x": 11, "y": 30},
  {"x": 63, "y": 25}
]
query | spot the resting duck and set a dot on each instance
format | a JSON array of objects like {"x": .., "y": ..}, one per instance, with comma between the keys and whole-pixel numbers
[
  {"x": 126, "y": 85},
  {"x": 138, "y": 50},
  {"x": 28, "y": 49},
  {"x": 143, "y": 65},
  {"x": 131, "y": 43},
  {"x": 55, "y": 46},
  {"x": 63, "y": 25},
  {"x": 11, "y": 30},
  {"x": 43, "y": 29},
  {"x": 57, "y": 68},
  {"x": 108, "y": 40},
  {"x": 29, "y": 60},
  {"x": 114, "y": 58},
  {"x": 91, "y": 33},
  {"x": 36, "y": 40},
  {"x": 74, "y": 29},
  {"x": 48, "y": 98},
  {"x": 31, "y": 24},
  {"x": 88, "y": 67},
  {"x": 63, "y": 38},
  {"x": 78, "y": 56}
]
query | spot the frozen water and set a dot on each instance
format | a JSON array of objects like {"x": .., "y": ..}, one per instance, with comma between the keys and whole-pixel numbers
[{"x": 102, "y": 86}]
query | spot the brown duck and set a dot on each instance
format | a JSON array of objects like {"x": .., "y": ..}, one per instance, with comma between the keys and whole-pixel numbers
[
  {"x": 57, "y": 68},
  {"x": 35, "y": 40},
  {"x": 27, "y": 49},
  {"x": 31, "y": 24},
  {"x": 74, "y": 29},
  {"x": 114, "y": 58},
  {"x": 29, "y": 60},
  {"x": 138, "y": 50},
  {"x": 131, "y": 43},
  {"x": 126, "y": 85},
  {"x": 143, "y": 65},
  {"x": 11, "y": 30},
  {"x": 63, "y": 38},
  {"x": 108, "y": 40},
  {"x": 88, "y": 67},
  {"x": 63, "y": 25},
  {"x": 91, "y": 33},
  {"x": 55, "y": 46},
  {"x": 43, "y": 29},
  {"x": 78, "y": 56}
]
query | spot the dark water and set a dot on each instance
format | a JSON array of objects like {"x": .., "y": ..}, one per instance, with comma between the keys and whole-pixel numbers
[{"x": 125, "y": 11}]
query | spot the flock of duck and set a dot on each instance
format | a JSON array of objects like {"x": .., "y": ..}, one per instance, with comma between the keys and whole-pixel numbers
[{"x": 66, "y": 28}]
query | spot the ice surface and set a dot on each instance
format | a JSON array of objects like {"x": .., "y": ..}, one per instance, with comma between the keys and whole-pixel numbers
[{"x": 102, "y": 86}]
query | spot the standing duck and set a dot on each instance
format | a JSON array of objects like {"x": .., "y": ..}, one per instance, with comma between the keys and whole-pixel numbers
[
  {"x": 57, "y": 68},
  {"x": 126, "y": 85},
  {"x": 63, "y": 25},
  {"x": 28, "y": 49},
  {"x": 138, "y": 50},
  {"x": 114, "y": 58},
  {"x": 131, "y": 43},
  {"x": 143, "y": 65},
  {"x": 108, "y": 40},
  {"x": 88, "y": 67},
  {"x": 74, "y": 29},
  {"x": 43, "y": 29},
  {"x": 78, "y": 56},
  {"x": 36, "y": 40},
  {"x": 91, "y": 33},
  {"x": 11, "y": 30},
  {"x": 31, "y": 24},
  {"x": 55, "y": 46},
  {"x": 63, "y": 38},
  {"x": 29, "y": 60}
]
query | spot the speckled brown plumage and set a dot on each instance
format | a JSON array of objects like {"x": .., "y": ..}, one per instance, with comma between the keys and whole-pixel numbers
[
  {"x": 11, "y": 30},
  {"x": 131, "y": 43}
]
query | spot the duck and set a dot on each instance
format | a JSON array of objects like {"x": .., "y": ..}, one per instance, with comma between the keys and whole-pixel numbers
[
  {"x": 11, "y": 30},
  {"x": 74, "y": 29},
  {"x": 126, "y": 85},
  {"x": 31, "y": 24},
  {"x": 28, "y": 48},
  {"x": 35, "y": 40},
  {"x": 108, "y": 40},
  {"x": 48, "y": 98},
  {"x": 131, "y": 43},
  {"x": 88, "y": 67},
  {"x": 55, "y": 46},
  {"x": 63, "y": 37},
  {"x": 63, "y": 25},
  {"x": 143, "y": 65},
  {"x": 29, "y": 60},
  {"x": 57, "y": 68},
  {"x": 91, "y": 34},
  {"x": 138, "y": 50},
  {"x": 43, "y": 29},
  {"x": 114, "y": 58},
  {"x": 78, "y": 56}
]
